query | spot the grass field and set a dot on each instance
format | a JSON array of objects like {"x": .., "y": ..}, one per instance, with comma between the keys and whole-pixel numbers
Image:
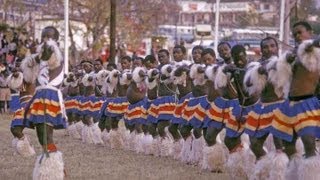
[{"x": 88, "y": 162}]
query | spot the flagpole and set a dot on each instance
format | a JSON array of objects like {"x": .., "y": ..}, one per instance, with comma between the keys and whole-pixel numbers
[
  {"x": 66, "y": 35},
  {"x": 281, "y": 33},
  {"x": 216, "y": 27}
]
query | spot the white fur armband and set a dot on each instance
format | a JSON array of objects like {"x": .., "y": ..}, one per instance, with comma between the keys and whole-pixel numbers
[
  {"x": 30, "y": 68},
  {"x": 15, "y": 82},
  {"x": 65, "y": 82},
  {"x": 165, "y": 71},
  {"x": 73, "y": 83},
  {"x": 151, "y": 84},
  {"x": 85, "y": 80},
  {"x": 136, "y": 74},
  {"x": 221, "y": 78},
  {"x": 194, "y": 70},
  {"x": 180, "y": 80},
  {"x": 197, "y": 78},
  {"x": 123, "y": 79},
  {"x": 101, "y": 76},
  {"x": 279, "y": 74},
  {"x": 183, "y": 63},
  {"x": 256, "y": 80},
  {"x": 310, "y": 60},
  {"x": 111, "y": 81},
  {"x": 211, "y": 72}
]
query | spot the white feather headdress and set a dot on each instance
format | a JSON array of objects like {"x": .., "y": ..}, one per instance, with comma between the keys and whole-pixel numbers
[
  {"x": 182, "y": 79},
  {"x": 136, "y": 74}
]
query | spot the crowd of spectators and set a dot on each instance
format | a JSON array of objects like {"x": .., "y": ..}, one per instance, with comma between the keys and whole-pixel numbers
[{"x": 14, "y": 46}]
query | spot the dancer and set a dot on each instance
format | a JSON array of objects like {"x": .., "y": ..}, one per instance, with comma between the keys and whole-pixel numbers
[
  {"x": 45, "y": 111},
  {"x": 300, "y": 115}
]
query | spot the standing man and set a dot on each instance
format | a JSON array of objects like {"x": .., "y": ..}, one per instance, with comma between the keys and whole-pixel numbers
[{"x": 5, "y": 95}]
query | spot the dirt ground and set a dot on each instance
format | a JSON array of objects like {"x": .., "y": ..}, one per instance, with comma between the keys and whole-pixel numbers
[{"x": 93, "y": 162}]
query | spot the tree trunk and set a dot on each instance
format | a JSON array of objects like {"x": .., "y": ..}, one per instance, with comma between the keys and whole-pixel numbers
[
  {"x": 112, "y": 31},
  {"x": 74, "y": 57}
]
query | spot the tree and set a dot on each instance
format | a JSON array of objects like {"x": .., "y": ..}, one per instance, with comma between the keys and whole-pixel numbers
[
  {"x": 140, "y": 18},
  {"x": 135, "y": 19},
  {"x": 93, "y": 14},
  {"x": 302, "y": 10}
]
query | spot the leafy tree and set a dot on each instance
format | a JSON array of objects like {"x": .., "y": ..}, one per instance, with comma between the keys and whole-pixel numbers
[{"x": 301, "y": 10}]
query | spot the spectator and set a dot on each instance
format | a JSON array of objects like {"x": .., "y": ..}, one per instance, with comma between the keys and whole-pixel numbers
[{"x": 5, "y": 95}]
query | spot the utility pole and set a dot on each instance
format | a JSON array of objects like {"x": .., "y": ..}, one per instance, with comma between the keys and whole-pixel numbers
[{"x": 113, "y": 6}]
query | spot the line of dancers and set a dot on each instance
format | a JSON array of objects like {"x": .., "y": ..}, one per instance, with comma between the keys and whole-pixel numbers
[{"x": 253, "y": 120}]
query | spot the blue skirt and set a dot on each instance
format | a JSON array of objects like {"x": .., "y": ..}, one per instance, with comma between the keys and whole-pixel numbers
[
  {"x": 219, "y": 112},
  {"x": 71, "y": 104},
  {"x": 18, "y": 116},
  {"x": 14, "y": 104},
  {"x": 117, "y": 107},
  {"x": 234, "y": 127},
  {"x": 198, "y": 106},
  {"x": 46, "y": 106},
  {"x": 260, "y": 119},
  {"x": 302, "y": 117},
  {"x": 137, "y": 113},
  {"x": 161, "y": 108},
  {"x": 179, "y": 110},
  {"x": 105, "y": 102}
]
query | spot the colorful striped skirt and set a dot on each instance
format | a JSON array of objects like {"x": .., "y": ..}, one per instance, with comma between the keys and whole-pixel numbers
[
  {"x": 72, "y": 104},
  {"x": 46, "y": 106},
  {"x": 260, "y": 118},
  {"x": 137, "y": 113},
  {"x": 91, "y": 106},
  {"x": 161, "y": 108},
  {"x": 117, "y": 107},
  {"x": 219, "y": 112},
  {"x": 179, "y": 110},
  {"x": 301, "y": 117},
  {"x": 195, "y": 111},
  {"x": 237, "y": 118}
]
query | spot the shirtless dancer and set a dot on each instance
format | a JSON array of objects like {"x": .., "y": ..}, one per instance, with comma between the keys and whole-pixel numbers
[
  {"x": 237, "y": 116},
  {"x": 300, "y": 115}
]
